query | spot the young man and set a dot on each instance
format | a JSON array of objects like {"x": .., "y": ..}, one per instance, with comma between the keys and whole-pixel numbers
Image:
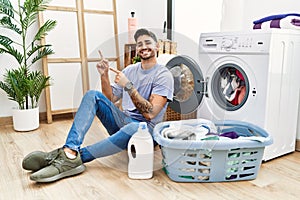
[{"x": 145, "y": 89}]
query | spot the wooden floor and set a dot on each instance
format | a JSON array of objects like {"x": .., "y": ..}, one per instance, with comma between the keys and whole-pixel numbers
[{"x": 106, "y": 178}]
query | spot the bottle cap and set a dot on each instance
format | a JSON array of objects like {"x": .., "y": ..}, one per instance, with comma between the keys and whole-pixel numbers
[
  {"x": 132, "y": 14},
  {"x": 143, "y": 125}
]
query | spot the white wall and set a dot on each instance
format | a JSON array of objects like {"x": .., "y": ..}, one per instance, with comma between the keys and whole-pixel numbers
[
  {"x": 150, "y": 15},
  {"x": 191, "y": 18}
]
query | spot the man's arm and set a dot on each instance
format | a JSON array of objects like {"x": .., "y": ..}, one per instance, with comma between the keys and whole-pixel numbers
[
  {"x": 148, "y": 108},
  {"x": 103, "y": 68},
  {"x": 105, "y": 85}
]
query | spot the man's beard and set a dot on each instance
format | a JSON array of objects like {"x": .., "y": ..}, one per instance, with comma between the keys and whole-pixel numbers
[{"x": 148, "y": 57}]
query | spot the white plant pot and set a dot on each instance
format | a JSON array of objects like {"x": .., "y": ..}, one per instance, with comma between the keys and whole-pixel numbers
[{"x": 25, "y": 120}]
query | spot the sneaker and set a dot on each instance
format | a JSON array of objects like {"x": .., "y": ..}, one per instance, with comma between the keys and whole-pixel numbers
[
  {"x": 39, "y": 159},
  {"x": 61, "y": 167}
]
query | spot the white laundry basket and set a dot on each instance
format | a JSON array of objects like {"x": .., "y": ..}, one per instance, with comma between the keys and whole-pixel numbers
[{"x": 213, "y": 160}]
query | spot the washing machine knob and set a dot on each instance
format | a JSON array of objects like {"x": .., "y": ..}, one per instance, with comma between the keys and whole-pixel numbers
[{"x": 227, "y": 43}]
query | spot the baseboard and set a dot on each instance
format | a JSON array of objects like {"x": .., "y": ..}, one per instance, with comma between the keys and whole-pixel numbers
[
  {"x": 5, "y": 121},
  {"x": 298, "y": 145},
  {"x": 43, "y": 118}
]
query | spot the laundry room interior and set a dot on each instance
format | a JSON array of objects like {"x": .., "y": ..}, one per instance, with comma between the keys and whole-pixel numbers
[{"x": 229, "y": 129}]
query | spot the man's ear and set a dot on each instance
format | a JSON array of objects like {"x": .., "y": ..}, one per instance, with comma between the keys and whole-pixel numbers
[{"x": 157, "y": 46}]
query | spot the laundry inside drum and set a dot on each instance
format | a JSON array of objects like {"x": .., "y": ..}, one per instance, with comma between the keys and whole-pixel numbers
[
  {"x": 230, "y": 87},
  {"x": 183, "y": 82}
]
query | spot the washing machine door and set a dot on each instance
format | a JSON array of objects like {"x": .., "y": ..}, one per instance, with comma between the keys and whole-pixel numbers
[
  {"x": 229, "y": 87},
  {"x": 188, "y": 84}
]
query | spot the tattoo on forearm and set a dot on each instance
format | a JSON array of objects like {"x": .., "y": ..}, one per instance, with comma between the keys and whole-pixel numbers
[{"x": 140, "y": 103}]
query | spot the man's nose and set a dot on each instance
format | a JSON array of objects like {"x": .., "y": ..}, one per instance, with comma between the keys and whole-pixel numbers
[{"x": 144, "y": 45}]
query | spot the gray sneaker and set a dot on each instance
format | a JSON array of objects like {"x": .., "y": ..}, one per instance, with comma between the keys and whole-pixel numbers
[
  {"x": 39, "y": 159},
  {"x": 60, "y": 168}
]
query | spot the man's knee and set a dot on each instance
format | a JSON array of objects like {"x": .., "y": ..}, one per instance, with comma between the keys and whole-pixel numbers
[
  {"x": 130, "y": 128},
  {"x": 93, "y": 94}
]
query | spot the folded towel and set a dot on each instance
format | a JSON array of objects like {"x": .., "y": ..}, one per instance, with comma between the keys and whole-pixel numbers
[
  {"x": 289, "y": 22},
  {"x": 272, "y": 17}
]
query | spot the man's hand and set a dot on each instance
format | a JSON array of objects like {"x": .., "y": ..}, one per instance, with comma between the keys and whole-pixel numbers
[
  {"x": 102, "y": 65},
  {"x": 120, "y": 78}
]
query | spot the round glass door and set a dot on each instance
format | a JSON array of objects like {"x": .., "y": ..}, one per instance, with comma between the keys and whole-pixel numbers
[
  {"x": 230, "y": 87},
  {"x": 188, "y": 84}
]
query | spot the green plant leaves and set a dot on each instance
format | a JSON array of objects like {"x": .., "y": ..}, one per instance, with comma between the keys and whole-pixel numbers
[
  {"x": 6, "y": 23},
  {"x": 5, "y": 41},
  {"x": 36, "y": 82},
  {"x": 14, "y": 85},
  {"x": 43, "y": 52},
  {"x": 21, "y": 84},
  {"x": 42, "y": 32},
  {"x": 6, "y": 8},
  {"x": 8, "y": 48},
  {"x": 30, "y": 11}
]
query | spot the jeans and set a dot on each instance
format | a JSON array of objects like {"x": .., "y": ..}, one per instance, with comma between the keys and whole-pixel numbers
[{"x": 119, "y": 126}]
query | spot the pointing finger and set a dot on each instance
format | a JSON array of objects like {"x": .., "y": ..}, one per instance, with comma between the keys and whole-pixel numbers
[
  {"x": 100, "y": 54},
  {"x": 114, "y": 70}
]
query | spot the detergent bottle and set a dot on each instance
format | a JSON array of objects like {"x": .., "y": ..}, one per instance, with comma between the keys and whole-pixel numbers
[
  {"x": 140, "y": 153},
  {"x": 132, "y": 27}
]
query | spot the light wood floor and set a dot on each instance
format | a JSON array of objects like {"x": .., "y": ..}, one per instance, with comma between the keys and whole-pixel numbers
[{"x": 106, "y": 178}]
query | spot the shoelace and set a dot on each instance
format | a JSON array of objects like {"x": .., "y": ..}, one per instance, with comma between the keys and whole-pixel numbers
[
  {"x": 52, "y": 157},
  {"x": 58, "y": 163}
]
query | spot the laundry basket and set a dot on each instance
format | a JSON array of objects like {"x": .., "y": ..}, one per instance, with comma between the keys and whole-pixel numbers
[{"x": 213, "y": 160}]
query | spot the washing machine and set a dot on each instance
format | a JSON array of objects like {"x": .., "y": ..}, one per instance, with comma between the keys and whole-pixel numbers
[{"x": 249, "y": 76}]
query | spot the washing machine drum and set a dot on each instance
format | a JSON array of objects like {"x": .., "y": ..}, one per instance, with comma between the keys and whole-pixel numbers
[{"x": 188, "y": 84}]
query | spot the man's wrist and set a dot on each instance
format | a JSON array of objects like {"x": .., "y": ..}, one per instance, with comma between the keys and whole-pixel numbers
[
  {"x": 103, "y": 73},
  {"x": 128, "y": 86}
]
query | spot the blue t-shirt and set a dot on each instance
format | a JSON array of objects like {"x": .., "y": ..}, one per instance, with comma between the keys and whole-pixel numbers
[{"x": 157, "y": 80}]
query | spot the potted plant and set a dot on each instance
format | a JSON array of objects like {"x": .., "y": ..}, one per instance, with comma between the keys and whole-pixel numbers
[
  {"x": 136, "y": 59},
  {"x": 22, "y": 84}
]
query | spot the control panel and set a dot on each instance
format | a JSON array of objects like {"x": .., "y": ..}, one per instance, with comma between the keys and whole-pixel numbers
[{"x": 255, "y": 43}]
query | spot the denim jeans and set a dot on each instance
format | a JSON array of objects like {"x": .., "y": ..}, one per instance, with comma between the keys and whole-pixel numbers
[{"x": 119, "y": 126}]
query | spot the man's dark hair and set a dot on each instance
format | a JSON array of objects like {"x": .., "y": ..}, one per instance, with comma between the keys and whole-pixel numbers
[{"x": 143, "y": 31}]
